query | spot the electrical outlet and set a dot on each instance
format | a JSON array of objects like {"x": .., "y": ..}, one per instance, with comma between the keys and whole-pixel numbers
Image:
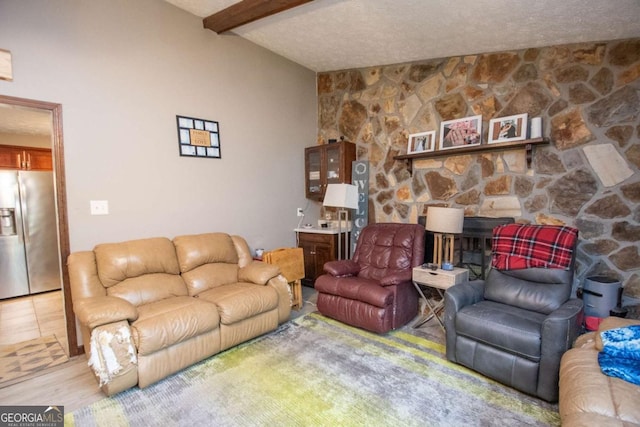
[
  {"x": 300, "y": 212},
  {"x": 99, "y": 207}
]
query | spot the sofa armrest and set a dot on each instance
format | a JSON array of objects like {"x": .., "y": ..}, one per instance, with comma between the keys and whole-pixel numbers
[
  {"x": 113, "y": 357},
  {"x": 455, "y": 299},
  {"x": 97, "y": 311},
  {"x": 463, "y": 294},
  {"x": 561, "y": 327},
  {"x": 258, "y": 272},
  {"x": 342, "y": 268},
  {"x": 585, "y": 340},
  {"x": 83, "y": 276},
  {"x": 396, "y": 278},
  {"x": 559, "y": 331},
  {"x": 279, "y": 283}
]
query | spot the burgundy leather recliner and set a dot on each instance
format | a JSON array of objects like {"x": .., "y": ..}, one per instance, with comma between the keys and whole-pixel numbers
[{"x": 373, "y": 290}]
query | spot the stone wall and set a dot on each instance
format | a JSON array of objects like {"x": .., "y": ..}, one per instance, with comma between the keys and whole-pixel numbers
[{"x": 588, "y": 96}]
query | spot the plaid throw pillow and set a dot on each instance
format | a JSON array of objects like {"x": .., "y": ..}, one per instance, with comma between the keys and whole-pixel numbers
[{"x": 517, "y": 246}]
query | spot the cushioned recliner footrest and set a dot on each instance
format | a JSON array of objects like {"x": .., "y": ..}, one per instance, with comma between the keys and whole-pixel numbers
[
  {"x": 164, "y": 323},
  {"x": 355, "y": 288},
  {"x": 240, "y": 301},
  {"x": 508, "y": 328}
]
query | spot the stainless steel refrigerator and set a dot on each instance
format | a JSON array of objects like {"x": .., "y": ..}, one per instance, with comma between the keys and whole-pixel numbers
[{"x": 29, "y": 251}]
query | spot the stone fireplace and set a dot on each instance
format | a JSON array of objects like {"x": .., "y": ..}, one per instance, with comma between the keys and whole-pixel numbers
[{"x": 588, "y": 177}]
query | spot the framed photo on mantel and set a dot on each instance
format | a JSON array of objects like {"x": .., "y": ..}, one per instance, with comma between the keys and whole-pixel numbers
[
  {"x": 423, "y": 142},
  {"x": 511, "y": 128},
  {"x": 460, "y": 133},
  {"x": 198, "y": 137}
]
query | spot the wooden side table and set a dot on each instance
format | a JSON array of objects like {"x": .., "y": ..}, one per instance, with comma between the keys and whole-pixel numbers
[
  {"x": 440, "y": 280},
  {"x": 291, "y": 263}
]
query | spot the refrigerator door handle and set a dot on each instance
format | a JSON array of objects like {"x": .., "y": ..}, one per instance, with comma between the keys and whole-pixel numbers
[
  {"x": 18, "y": 222},
  {"x": 23, "y": 204}
]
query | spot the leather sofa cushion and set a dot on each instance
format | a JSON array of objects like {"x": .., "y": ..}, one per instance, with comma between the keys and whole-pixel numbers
[
  {"x": 164, "y": 323},
  {"x": 119, "y": 261},
  {"x": 586, "y": 394},
  {"x": 149, "y": 288},
  {"x": 241, "y": 301},
  {"x": 200, "y": 249},
  {"x": 209, "y": 276},
  {"x": 542, "y": 275},
  {"x": 356, "y": 288},
  {"x": 508, "y": 328},
  {"x": 388, "y": 248},
  {"x": 526, "y": 294},
  {"x": 140, "y": 271}
]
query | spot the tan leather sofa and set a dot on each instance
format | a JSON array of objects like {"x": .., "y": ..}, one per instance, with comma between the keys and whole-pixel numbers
[
  {"x": 587, "y": 396},
  {"x": 149, "y": 308}
]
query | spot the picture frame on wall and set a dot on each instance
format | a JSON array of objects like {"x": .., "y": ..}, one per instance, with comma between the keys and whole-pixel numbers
[
  {"x": 509, "y": 128},
  {"x": 198, "y": 137},
  {"x": 422, "y": 142},
  {"x": 459, "y": 133},
  {"x": 6, "y": 72}
]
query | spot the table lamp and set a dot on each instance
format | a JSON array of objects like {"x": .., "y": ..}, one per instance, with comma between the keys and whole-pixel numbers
[
  {"x": 343, "y": 197},
  {"x": 444, "y": 222}
]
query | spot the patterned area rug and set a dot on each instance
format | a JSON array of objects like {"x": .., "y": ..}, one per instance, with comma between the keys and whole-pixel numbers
[
  {"x": 314, "y": 371},
  {"x": 27, "y": 357}
]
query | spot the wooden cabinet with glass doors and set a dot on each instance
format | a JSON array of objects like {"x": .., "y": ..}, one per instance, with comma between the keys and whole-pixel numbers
[{"x": 327, "y": 164}]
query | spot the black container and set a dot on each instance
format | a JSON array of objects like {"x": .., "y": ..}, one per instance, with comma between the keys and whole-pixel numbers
[{"x": 618, "y": 312}]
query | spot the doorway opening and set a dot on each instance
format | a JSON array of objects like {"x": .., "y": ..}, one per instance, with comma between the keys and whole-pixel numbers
[{"x": 63, "y": 296}]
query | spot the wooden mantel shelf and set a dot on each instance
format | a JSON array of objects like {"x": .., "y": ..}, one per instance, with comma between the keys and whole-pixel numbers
[{"x": 526, "y": 144}]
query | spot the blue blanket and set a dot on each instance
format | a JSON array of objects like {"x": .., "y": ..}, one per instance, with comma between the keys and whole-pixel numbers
[{"x": 620, "y": 355}]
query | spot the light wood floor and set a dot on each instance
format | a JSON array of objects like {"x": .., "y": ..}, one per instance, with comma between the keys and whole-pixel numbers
[
  {"x": 33, "y": 316},
  {"x": 73, "y": 385}
]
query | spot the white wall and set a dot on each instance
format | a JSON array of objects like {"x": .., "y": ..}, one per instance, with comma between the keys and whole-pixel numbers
[{"x": 122, "y": 71}]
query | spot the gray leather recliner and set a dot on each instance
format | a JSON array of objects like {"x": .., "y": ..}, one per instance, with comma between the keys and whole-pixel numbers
[{"x": 514, "y": 326}]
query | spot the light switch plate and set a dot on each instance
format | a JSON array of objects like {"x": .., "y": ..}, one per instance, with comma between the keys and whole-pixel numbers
[{"x": 99, "y": 207}]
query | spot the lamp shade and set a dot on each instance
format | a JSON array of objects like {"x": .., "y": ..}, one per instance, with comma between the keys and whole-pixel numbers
[
  {"x": 445, "y": 220},
  {"x": 341, "y": 196}
]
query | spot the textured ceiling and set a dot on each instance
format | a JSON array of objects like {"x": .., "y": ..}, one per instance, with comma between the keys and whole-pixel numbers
[
  {"x": 327, "y": 35},
  {"x": 25, "y": 121}
]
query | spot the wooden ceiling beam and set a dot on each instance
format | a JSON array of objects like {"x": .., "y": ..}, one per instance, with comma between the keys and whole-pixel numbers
[{"x": 247, "y": 11}]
